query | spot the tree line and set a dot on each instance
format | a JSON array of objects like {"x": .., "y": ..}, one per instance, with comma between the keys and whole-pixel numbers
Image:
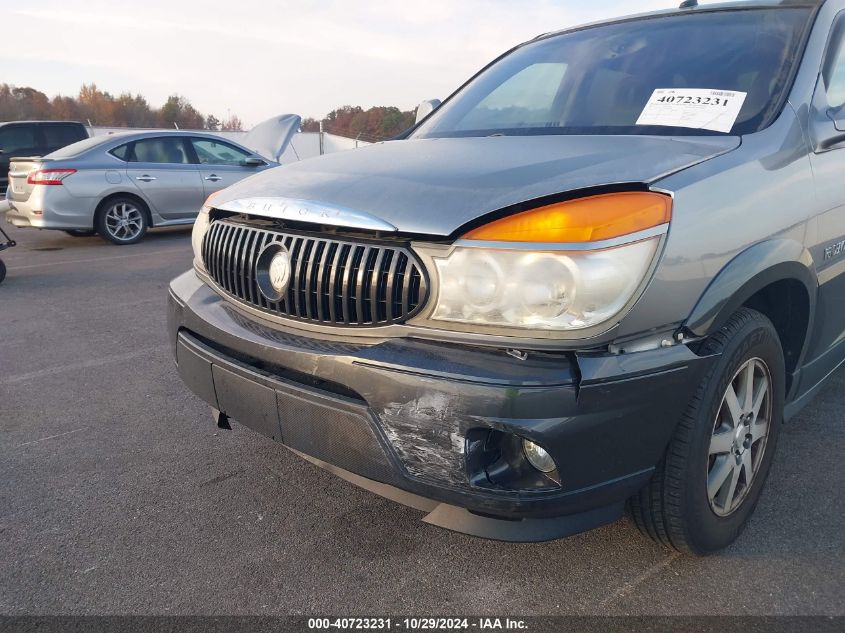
[
  {"x": 375, "y": 124},
  {"x": 104, "y": 109},
  {"x": 101, "y": 108}
]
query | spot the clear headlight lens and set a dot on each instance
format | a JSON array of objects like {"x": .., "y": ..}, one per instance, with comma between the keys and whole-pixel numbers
[
  {"x": 200, "y": 228},
  {"x": 557, "y": 290}
]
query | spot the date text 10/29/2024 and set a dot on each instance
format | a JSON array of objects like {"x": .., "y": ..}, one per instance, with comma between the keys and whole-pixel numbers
[{"x": 417, "y": 624}]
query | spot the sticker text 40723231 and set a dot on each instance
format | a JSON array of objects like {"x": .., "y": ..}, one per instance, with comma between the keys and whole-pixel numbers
[{"x": 694, "y": 108}]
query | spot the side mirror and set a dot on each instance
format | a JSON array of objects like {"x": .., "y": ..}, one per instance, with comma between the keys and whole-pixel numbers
[
  {"x": 426, "y": 108},
  {"x": 254, "y": 161}
]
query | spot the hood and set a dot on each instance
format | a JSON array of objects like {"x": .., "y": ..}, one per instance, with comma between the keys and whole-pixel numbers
[
  {"x": 270, "y": 138},
  {"x": 435, "y": 186}
]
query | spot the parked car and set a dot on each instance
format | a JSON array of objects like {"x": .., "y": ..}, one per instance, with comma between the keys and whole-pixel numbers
[
  {"x": 605, "y": 270},
  {"x": 34, "y": 138},
  {"x": 120, "y": 185}
]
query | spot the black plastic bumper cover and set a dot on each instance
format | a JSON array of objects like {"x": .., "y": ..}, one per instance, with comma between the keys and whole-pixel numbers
[{"x": 391, "y": 416}]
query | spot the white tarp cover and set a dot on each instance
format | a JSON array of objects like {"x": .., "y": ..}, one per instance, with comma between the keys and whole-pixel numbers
[{"x": 270, "y": 138}]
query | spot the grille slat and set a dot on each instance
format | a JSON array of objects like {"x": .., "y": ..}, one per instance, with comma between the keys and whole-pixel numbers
[
  {"x": 359, "y": 285},
  {"x": 389, "y": 289},
  {"x": 375, "y": 283},
  {"x": 332, "y": 282}
]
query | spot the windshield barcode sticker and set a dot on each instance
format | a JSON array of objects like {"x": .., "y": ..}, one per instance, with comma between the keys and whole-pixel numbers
[{"x": 695, "y": 108}]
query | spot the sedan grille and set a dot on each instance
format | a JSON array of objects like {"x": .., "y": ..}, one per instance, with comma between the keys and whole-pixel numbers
[{"x": 332, "y": 281}]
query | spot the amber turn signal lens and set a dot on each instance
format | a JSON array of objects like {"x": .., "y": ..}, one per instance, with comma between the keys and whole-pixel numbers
[{"x": 583, "y": 220}]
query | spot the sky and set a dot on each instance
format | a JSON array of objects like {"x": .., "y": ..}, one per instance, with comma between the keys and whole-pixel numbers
[{"x": 260, "y": 58}]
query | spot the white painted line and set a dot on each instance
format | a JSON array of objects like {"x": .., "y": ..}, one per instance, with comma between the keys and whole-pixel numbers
[
  {"x": 638, "y": 580},
  {"x": 95, "y": 362},
  {"x": 52, "y": 437},
  {"x": 101, "y": 259}
]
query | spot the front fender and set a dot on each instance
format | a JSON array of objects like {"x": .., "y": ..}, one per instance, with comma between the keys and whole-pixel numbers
[{"x": 748, "y": 273}]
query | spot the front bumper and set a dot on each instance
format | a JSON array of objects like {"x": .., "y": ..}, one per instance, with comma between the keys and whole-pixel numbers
[{"x": 392, "y": 416}]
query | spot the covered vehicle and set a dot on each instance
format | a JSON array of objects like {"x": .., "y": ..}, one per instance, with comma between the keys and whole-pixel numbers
[
  {"x": 120, "y": 185},
  {"x": 603, "y": 271}
]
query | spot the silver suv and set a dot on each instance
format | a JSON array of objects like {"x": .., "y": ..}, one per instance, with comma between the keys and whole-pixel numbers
[{"x": 602, "y": 272}]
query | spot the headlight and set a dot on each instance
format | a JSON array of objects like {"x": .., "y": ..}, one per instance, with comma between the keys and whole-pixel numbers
[
  {"x": 555, "y": 268},
  {"x": 200, "y": 228}
]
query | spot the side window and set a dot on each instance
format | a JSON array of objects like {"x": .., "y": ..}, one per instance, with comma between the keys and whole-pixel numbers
[
  {"x": 834, "y": 66},
  {"x": 121, "y": 151},
  {"x": 17, "y": 137},
  {"x": 169, "y": 150},
  {"x": 58, "y": 136},
  {"x": 214, "y": 152}
]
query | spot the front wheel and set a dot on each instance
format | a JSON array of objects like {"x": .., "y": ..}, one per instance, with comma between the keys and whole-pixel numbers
[
  {"x": 2, "y": 271},
  {"x": 122, "y": 221},
  {"x": 707, "y": 485}
]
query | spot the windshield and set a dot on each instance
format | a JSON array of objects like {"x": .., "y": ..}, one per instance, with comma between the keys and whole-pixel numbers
[{"x": 599, "y": 80}]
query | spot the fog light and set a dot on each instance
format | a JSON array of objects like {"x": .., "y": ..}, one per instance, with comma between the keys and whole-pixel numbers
[{"x": 538, "y": 457}]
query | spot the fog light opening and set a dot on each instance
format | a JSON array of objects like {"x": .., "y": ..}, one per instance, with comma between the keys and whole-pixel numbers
[
  {"x": 538, "y": 457},
  {"x": 500, "y": 460}
]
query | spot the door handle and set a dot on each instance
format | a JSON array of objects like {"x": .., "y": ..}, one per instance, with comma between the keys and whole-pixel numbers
[
  {"x": 213, "y": 178},
  {"x": 145, "y": 178}
]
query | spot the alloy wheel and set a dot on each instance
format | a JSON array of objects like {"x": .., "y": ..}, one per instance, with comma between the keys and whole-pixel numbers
[
  {"x": 124, "y": 221},
  {"x": 738, "y": 441}
]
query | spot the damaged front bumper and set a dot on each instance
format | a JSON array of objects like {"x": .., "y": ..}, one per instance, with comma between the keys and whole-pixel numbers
[{"x": 407, "y": 419}]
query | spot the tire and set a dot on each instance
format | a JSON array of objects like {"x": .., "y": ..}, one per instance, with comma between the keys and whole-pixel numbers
[
  {"x": 684, "y": 507},
  {"x": 80, "y": 232},
  {"x": 111, "y": 215},
  {"x": 2, "y": 271}
]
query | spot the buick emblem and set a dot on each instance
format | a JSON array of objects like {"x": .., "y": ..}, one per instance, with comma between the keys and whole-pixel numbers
[
  {"x": 272, "y": 271},
  {"x": 280, "y": 271}
]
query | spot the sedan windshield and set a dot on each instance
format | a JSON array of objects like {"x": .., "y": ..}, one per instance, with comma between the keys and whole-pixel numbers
[{"x": 599, "y": 80}]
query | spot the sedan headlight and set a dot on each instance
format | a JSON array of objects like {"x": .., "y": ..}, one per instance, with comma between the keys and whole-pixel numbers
[{"x": 570, "y": 266}]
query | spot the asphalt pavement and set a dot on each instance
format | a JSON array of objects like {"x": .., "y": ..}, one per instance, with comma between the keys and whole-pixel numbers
[{"x": 119, "y": 495}]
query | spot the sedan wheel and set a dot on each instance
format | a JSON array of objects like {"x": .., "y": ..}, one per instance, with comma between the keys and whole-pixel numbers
[{"x": 122, "y": 221}]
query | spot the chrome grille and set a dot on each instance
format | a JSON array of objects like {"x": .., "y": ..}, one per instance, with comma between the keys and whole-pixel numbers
[{"x": 333, "y": 281}]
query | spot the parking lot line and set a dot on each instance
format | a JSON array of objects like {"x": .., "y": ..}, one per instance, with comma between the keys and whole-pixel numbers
[
  {"x": 639, "y": 579},
  {"x": 52, "y": 437},
  {"x": 94, "y": 362},
  {"x": 98, "y": 259}
]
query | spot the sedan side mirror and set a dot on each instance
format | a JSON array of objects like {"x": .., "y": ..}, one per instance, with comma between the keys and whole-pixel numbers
[
  {"x": 426, "y": 108},
  {"x": 254, "y": 161}
]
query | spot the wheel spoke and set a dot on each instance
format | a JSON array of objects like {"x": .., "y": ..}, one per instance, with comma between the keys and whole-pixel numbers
[
  {"x": 748, "y": 387},
  {"x": 729, "y": 497},
  {"x": 721, "y": 443},
  {"x": 759, "y": 430},
  {"x": 747, "y": 466},
  {"x": 733, "y": 405},
  {"x": 719, "y": 474},
  {"x": 759, "y": 397}
]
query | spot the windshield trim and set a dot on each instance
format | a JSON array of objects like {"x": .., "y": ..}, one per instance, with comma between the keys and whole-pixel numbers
[{"x": 774, "y": 112}]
